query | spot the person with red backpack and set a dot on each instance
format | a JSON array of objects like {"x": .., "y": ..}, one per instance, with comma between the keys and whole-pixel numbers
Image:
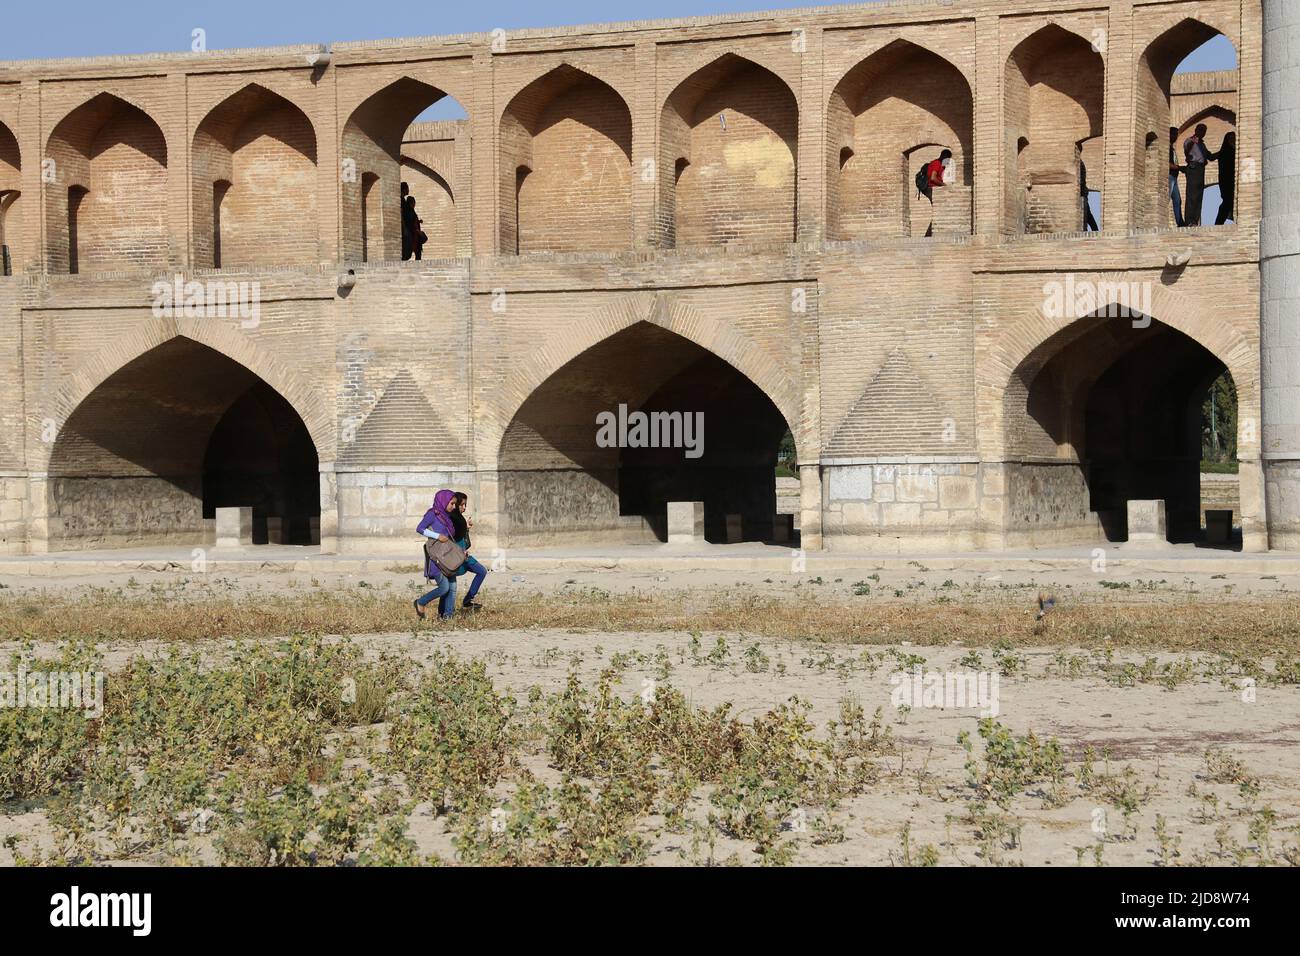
[{"x": 930, "y": 176}]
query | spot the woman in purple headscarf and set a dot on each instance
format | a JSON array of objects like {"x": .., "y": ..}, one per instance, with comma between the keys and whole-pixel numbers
[{"x": 437, "y": 524}]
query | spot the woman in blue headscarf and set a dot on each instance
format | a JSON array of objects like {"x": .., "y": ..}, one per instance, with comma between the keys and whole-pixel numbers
[{"x": 437, "y": 524}]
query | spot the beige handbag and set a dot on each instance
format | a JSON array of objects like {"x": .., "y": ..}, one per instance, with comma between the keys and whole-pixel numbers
[{"x": 444, "y": 554}]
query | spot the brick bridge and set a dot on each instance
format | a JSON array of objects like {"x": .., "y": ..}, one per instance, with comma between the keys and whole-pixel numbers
[{"x": 713, "y": 214}]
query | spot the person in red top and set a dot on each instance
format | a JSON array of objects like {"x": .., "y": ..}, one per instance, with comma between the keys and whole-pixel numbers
[
  {"x": 932, "y": 174},
  {"x": 938, "y": 169}
]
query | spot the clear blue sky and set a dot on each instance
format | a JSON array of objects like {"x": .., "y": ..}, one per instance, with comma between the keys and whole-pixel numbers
[
  {"x": 99, "y": 27},
  {"x": 82, "y": 28}
]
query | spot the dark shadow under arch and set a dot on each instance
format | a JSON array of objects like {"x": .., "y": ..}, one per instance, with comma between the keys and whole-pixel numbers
[
  {"x": 172, "y": 435},
  {"x": 559, "y": 485},
  {"x": 1106, "y": 411}
]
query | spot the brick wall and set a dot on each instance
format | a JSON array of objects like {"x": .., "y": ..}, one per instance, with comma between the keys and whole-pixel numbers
[
  {"x": 11, "y": 186},
  {"x": 881, "y": 350},
  {"x": 105, "y": 209},
  {"x": 730, "y": 142},
  {"x": 254, "y": 183}
]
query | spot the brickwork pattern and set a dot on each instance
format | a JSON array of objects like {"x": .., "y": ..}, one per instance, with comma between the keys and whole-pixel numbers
[{"x": 739, "y": 184}]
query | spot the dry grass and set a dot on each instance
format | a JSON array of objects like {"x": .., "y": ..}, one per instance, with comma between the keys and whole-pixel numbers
[{"x": 1176, "y": 622}]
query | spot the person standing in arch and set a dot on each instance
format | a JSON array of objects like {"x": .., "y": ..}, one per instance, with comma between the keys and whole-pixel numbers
[
  {"x": 411, "y": 225},
  {"x": 1227, "y": 159},
  {"x": 1198, "y": 156},
  {"x": 1175, "y": 196},
  {"x": 407, "y": 245},
  {"x": 931, "y": 176},
  {"x": 1089, "y": 221}
]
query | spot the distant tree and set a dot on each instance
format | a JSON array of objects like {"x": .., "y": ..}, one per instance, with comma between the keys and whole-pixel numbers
[
  {"x": 786, "y": 453},
  {"x": 1219, "y": 421}
]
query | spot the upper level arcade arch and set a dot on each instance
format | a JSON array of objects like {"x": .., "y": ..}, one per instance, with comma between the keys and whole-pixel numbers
[
  {"x": 374, "y": 167},
  {"x": 728, "y": 152},
  {"x": 566, "y": 166},
  {"x": 106, "y": 189},
  {"x": 1169, "y": 107},
  {"x": 254, "y": 182},
  {"x": 890, "y": 114},
  {"x": 1053, "y": 92}
]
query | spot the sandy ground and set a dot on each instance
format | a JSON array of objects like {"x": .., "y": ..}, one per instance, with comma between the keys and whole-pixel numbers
[
  {"x": 1162, "y": 734},
  {"x": 1082, "y": 581}
]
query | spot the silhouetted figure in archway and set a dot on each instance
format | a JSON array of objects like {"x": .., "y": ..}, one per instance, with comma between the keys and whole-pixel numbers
[
  {"x": 1175, "y": 197},
  {"x": 412, "y": 222},
  {"x": 1227, "y": 159},
  {"x": 407, "y": 245},
  {"x": 1089, "y": 221},
  {"x": 1198, "y": 156}
]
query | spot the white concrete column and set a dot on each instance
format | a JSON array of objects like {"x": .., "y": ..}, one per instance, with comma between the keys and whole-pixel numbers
[
  {"x": 488, "y": 519},
  {"x": 1280, "y": 273},
  {"x": 810, "y": 507},
  {"x": 38, "y": 514},
  {"x": 329, "y": 509}
]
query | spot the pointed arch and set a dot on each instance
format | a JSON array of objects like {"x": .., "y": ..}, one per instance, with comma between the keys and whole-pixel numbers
[
  {"x": 891, "y": 111},
  {"x": 571, "y": 135},
  {"x": 1089, "y": 412},
  {"x": 730, "y": 131},
  {"x": 1053, "y": 94},
  {"x": 719, "y": 338},
  {"x": 372, "y": 146},
  {"x": 1155, "y": 118},
  {"x": 122, "y": 350},
  {"x": 106, "y": 204},
  {"x": 1011, "y": 357},
  {"x": 264, "y": 147},
  {"x": 714, "y": 431},
  {"x": 180, "y": 430}
]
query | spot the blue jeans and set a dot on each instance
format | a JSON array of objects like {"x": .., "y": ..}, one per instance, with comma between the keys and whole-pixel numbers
[
  {"x": 445, "y": 590},
  {"x": 447, "y": 603},
  {"x": 473, "y": 567},
  {"x": 1176, "y": 197}
]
